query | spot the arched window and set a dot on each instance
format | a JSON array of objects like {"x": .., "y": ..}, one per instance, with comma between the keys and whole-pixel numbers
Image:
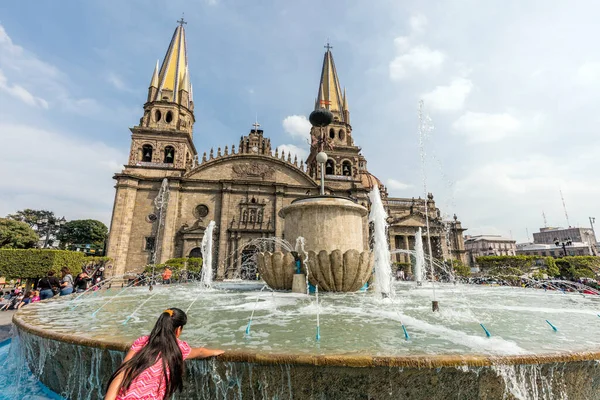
[
  {"x": 169, "y": 154},
  {"x": 341, "y": 134},
  {"x": 346, "y": 168},
  {"x": 332, "y": 133},
  {"x": 147, "y": 153},
  {"x": 169, "y": 117},
  {"x": 157, "y": 115},
  {"x": 329, "y": 167}
]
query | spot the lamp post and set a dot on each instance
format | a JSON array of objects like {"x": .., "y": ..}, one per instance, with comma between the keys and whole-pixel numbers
[
  {"x": 322, "y": 159},
  {"x": 563, "y": 243},
  {"x": 594, "y": 242}
]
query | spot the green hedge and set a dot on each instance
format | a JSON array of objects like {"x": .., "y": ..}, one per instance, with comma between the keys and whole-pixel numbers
[
  {"x": 576, "y": 267},
  {"x": 35, "y": 263},
  {"x": 569, "y": 267}
]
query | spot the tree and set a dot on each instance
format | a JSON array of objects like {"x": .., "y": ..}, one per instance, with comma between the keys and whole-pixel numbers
[
  {"x": 460, "y": 269},
  {"x": 44, "y": 222},
  {"x": 16, "y": 235},
  {"x": 83, "y": 231}
]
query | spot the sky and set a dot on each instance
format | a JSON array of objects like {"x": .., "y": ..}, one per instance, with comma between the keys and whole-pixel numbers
[{"x": 511, "y": 88}]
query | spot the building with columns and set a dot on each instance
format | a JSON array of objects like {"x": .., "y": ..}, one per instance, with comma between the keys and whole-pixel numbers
[{"x": 243, "y": 186}]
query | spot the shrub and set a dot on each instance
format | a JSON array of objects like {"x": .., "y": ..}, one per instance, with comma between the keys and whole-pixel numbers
[{"x": 35, "y": 263}]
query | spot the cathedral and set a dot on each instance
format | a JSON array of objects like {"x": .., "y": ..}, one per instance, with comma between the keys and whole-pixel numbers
[{"x": 242, "y": 188}]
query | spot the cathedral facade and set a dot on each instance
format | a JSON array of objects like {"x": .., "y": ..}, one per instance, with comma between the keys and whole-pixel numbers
[{"x": 242, "y": 188}]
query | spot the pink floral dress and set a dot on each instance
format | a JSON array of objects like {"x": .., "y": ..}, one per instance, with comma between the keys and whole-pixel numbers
[{"x": 150, "y": 384}]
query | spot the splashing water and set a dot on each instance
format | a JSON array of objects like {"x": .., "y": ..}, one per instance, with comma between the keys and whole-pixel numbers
[
  {"x": 383, "y": 259},
  {"x": 419, "y": 257},
  {"x": 206, "y": 248},
  {"x": 160, "y": 203}
]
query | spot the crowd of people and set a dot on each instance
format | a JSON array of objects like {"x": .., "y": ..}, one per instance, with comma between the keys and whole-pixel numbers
[{"x": 50, "y": 286}]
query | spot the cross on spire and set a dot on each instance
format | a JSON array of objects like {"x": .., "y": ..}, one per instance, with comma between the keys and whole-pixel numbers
[
  {"x": 181, "y": 21},
  {"x": 328, "y": 46},
  {"x": 256, "y": 125}
]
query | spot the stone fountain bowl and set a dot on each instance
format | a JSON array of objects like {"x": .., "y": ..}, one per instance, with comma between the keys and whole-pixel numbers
[
  {"x": 75, "y": 354},
  {"x": 331, "y": 271}
]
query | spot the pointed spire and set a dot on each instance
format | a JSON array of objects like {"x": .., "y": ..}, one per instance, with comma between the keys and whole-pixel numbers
[
  {"x": 154, "y": 81},
  {"x": 330, "y": 94},
  {"x": 173, "y": 69}
]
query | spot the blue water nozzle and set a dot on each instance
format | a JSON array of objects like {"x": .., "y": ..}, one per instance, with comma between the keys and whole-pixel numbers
[
  {"x": 406, "y": 336},
  {"x": 553, "y": 327},
  {"x": 487, "y": 333}
]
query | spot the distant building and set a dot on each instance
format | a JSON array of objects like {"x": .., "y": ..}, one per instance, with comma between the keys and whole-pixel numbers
[
  {"x": 549, "y": 235},
  {"x": 489, "y": 245},
  {"x": 552, "y": 250}
]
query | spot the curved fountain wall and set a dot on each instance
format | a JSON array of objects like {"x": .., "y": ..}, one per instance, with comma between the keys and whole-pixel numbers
[
  {"x": 333, "y": 230},
  {"x": 79, "y": 368}
]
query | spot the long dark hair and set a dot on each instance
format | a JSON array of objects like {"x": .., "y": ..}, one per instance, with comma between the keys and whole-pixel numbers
[{"x": 162, "y": 344}]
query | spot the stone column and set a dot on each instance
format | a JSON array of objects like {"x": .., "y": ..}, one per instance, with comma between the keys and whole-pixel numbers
[
  {"x": 167, "y": 237},
  {"x": 221, "y": 248},
  {"x": 120, "y": 225}
]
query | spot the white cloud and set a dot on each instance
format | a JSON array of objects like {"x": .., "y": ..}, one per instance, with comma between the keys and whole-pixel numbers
[
  {"x": 449, "y": 98},
  {"x": 49, "y": 170},
  {"x": 418, "y": 59},
  {"x": 300, "y": 152},
  {"x": 297, "y": 126},
  {"x": 589, "y": 73},
  {"x": 483, "y": 127},
  {"x": 25, "y": 70},
  {"x": 417, "y": 23},
  {"x": 21, "y": 93},
  {"x": 402, "y": 43},
  {"x": 117, "y": 82},
  {"x": 397, "y": 185}
]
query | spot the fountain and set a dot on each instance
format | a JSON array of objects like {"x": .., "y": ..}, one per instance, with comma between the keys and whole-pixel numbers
[
  {"x": 206, "y": 249},
  {"x": 545, "y": 344},
  {"x": 419, "y": 258}
]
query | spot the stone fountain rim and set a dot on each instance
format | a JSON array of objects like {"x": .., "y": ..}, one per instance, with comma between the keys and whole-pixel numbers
[
  {"x": 324, "y": 196},
  {"x": 310, "y": 201},
  {"x": 333, "y": 360}
]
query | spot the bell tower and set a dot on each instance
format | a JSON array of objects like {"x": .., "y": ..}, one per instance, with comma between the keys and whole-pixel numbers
[
  {"x": 164, "y": 135},
  {"x": 336, "y": 138}
]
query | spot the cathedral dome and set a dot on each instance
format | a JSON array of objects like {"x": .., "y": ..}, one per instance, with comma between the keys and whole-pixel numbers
[{"x": 369, "y": 181}]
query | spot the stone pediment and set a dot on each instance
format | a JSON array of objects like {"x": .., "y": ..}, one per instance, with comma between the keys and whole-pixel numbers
[
  {"x": 414, "y": 220},
  {"x": 251, "y": 167}
]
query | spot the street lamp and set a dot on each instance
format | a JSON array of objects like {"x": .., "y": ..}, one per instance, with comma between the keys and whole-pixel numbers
[{"x": 563, "y": 243}]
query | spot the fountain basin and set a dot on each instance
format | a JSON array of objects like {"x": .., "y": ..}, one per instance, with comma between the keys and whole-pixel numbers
[
  {"x": 326, "y": 223},
  {"x": 332, "y": 272},
  {"x": 362, "y": 350}
]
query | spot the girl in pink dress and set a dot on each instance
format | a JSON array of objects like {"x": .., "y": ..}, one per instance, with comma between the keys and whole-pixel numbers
[
  {"x": 154, "y": 366},
  {"x": 36, "y": 297}
]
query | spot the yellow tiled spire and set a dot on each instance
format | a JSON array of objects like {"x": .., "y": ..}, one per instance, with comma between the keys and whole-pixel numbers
[
  {"x": 330, "y": 94},
  {"x": 173, "y": 71}
]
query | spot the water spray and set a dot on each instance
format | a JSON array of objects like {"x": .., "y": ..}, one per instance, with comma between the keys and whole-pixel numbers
[
  {"x": 254, "y": 309},
  {"x": 553, "y": 327},
  {"x": 425, "y": 126},
  {"x": 137, "y": 309},
  {"x": 318, "y": 336},
  {"x": 487, "y": 333}
]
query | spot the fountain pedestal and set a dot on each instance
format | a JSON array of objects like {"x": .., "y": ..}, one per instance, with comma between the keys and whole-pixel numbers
[
  {"x": 299, "y": 283},
  {"x": 333, "y": 229}
]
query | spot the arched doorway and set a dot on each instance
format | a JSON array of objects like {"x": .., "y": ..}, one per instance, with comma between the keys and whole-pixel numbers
[
  {"x": 195, "y": 252},
  {"x": 248, "y": 268}
]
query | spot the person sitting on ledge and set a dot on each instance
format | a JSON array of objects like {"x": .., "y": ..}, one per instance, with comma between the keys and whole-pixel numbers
[{"x": 154, "y": 366}]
